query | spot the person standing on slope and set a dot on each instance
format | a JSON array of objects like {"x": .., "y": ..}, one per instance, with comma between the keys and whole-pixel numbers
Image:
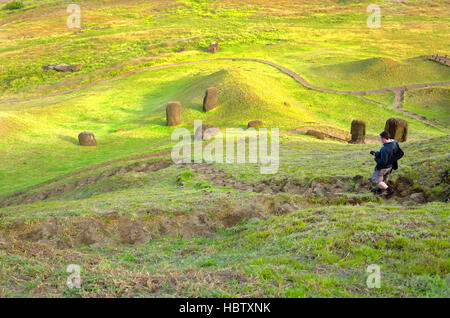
[{"x": 386, "y": 160}]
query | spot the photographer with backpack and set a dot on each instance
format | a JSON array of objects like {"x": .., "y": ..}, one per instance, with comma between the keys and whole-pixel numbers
[{"x": 386, "y": 160}]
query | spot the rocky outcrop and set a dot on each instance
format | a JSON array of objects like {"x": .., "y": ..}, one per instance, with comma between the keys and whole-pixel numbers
[{"x": 62, "y": 67}]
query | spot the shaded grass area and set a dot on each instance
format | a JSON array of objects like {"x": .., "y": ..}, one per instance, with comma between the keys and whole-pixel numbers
[
  {"x": 433, "y": 103},
  {"x": 377, "y": 73}
]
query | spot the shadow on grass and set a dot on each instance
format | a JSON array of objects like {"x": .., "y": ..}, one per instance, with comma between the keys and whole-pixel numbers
[{"x": 72, "y": 140}]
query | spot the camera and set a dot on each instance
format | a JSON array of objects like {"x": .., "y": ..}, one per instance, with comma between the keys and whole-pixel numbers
[{"x": 373, "y": 153}]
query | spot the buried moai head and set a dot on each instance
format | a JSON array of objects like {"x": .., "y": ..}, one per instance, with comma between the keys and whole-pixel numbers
[
  {"x": 255, "y": 123},
  {"x": 210, "y": 99},
  {"x": 397, "y": 128},
  {"x": 315, "y": 133},
  {"x": 358, "y": 131},
  {"x": 87, "y": 138},
  {"x": 213, "y": 47},
  {"x": 173, "y": 114},
  {"x": 62, "y": 67},
  {"x": 206, "y": 132}
]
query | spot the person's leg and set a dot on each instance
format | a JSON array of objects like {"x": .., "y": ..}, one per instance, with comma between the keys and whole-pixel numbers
[
  {"x": 382, "y": 182},
  {"x": 387, "y": 175},
  {"x": 376, "y": 178},
  {"x": 389, "y": 190},
  {"x": 382, "y": 185}
]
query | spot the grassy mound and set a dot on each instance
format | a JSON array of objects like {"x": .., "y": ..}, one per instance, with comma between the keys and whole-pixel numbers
[
  {"x": 379, "y": 72},
  {"x": 243, "y": 96}
]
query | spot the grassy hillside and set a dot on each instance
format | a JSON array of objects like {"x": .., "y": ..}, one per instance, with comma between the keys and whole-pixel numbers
[
  {"x": 33, "y": 130},
  {"x": 139, "y": 225},
  {"x": 296, "y": 243},
  {"x": 319, "y": 252},
  {"x": 433, "y": 103},
  {"x": 378, "y": 72},
  {"x": 123, "y": 34}
]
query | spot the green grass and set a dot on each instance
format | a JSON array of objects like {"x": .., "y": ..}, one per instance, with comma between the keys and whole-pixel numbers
[
  {"x": 13, "y": 5},
  {"x": 318, "y": 250},
  {"x": 374, "y": 73},
  {"x": 431, "y": 103},
  {"x": 31, "y": 130},
  {"x": 299, "y": 160},
  {"x": 134, "y": 193},
  {"x": 126, "y": 34}
]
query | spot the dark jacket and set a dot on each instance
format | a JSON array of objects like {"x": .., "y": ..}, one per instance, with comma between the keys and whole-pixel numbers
[{"x": 384, "y": 157}]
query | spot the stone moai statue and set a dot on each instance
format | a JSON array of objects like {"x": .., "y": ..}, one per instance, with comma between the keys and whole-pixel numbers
[
  {"x": 358, "y": 131},
  {"x": 87, "y": 138},
  {"x": 173, "y": 114},
  {"x": 210, "y": 99},
  {"x": 397, "y": 128}
]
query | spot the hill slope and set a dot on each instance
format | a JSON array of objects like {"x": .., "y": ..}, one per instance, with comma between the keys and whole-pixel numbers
[
  {"x": 378, "y": 72},
  {"x": 140, "y": 225},
  {"x": 33, "y": 130}
]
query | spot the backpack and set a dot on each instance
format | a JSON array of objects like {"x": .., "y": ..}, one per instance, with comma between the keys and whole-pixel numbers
[{"x": 396, "y": 156}]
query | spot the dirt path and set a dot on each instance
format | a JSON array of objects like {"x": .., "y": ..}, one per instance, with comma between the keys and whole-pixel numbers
[
  {"x": 399, "y": 90},
  {"x": 399, "y": 98}
]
